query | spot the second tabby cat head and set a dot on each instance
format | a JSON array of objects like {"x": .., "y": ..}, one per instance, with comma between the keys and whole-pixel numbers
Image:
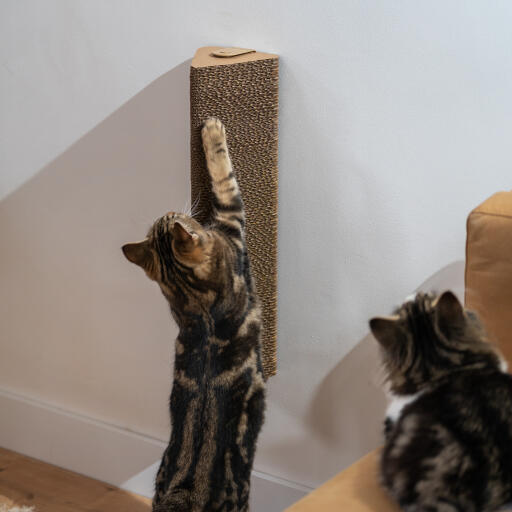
[
  {"x": 428, "y": 338},
  {"x": 176, "y": 253}
]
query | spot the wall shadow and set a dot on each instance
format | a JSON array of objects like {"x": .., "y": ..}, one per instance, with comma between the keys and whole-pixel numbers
[
  {"x": 82, "y": 328},
  {"x": 354, "y": 414}
]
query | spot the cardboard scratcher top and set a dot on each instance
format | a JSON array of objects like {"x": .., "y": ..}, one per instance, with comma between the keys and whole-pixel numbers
[
  {"x": 242, "y": 91},
  {"x": 205, "y": 57}
]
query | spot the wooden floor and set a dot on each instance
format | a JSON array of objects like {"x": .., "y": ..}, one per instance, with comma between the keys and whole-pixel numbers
[{"x": 48, "y": 488}]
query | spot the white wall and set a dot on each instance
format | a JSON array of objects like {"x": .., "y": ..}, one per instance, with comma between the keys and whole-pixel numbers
[{"x": 395, "y": 120}]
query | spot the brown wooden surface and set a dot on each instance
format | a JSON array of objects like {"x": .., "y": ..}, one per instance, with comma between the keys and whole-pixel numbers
[
  {"x": 48, "y": 488},
  {"x": 356, "y": 489}
]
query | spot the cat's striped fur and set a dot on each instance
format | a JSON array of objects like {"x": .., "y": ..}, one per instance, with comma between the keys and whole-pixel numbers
[
  {"x": 218, "y": 396},
  {"x": 449, "y": 449}
]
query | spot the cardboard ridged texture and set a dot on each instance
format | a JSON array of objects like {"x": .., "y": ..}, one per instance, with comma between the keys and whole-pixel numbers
[{"x": 242, "y": 91}]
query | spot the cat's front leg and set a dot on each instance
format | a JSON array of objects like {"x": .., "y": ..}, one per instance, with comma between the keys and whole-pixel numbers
[
  {"x": 225, "y": 187},
  {"x": 228, "y": 205},
  {"x": 215, "y": 148}
]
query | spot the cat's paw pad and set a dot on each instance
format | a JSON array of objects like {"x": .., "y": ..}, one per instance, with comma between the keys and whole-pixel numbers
[{"x": 213, "y": 134}]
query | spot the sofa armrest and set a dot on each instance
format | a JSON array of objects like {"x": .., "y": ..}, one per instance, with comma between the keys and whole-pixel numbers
[{"x": 489, "y": 267}]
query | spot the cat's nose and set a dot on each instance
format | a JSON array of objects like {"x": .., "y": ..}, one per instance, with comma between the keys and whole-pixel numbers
[{"x": 171, "y": 214}]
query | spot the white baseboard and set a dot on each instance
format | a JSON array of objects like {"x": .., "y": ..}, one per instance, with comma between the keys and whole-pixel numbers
[
  {"x": 78, "y": 443},
  {"x": 107, "y": 452}
]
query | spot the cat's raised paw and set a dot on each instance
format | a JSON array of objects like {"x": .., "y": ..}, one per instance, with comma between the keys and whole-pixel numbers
[{"x": 213, "y": 133}]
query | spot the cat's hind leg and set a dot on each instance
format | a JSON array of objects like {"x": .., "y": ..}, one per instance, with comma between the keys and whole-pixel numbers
[
  {"x": 162, "y": 478},
  {"x": 178, "y": 500}
]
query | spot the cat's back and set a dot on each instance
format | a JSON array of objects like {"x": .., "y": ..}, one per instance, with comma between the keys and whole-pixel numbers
[
  {"x": 456, "y": 442},
  {"x": 463, "y": 427},
  {"x": 468, "y": 395},
  {"x": 471, "y": 403}
]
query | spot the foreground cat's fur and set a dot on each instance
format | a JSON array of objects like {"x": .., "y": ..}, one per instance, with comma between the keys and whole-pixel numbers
[
  {"x": 218, "y": 395},
  {"x": 449, "y": 430}
]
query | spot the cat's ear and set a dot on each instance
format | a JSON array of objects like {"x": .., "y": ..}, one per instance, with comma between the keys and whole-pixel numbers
[
  {"x": 386, "y": 330},
  {"x": 185, "y": 241},
  {"x": 139, "y": 253},
  {"x": 449, "y": 312}
]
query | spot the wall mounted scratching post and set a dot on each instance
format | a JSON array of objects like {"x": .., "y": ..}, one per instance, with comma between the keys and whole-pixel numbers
[{"x": 240, "y": 87}]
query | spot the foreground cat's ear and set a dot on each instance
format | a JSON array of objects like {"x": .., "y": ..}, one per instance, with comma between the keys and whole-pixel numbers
[
  {"x": 386, "y": 330},
  {"x": 185, "y": 241},
  {"x": 138, "y": 253},
  {"x": 449, "y": 312}
]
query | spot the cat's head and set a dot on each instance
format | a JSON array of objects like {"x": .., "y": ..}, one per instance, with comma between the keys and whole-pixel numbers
[
  {"x": 428, "y": 338},
  {"x": 177, "y": 254}
]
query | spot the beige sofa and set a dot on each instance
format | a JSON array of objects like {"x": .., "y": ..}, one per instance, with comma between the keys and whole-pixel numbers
[{"x": 488, "y": 290}]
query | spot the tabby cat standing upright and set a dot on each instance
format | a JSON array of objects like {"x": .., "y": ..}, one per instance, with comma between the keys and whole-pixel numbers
[
  {"x": 449, "y": 426},
  {"x": 218, "y": 396}
]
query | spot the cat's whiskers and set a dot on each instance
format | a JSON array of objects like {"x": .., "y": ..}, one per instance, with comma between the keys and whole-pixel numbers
[
  {"x": 187, "y": 208},
  {"x": 194, "y": 208}
]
